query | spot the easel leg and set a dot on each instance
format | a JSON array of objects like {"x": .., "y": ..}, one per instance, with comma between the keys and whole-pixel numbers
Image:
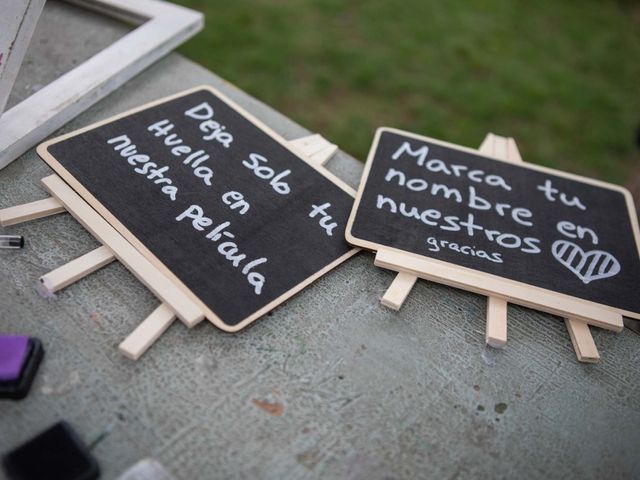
[
  {"x": 582, "y": 341},
  {"x": 397, "y": 292},
  {"x": 315, "y": 147},
  {"x": 583, "y": 344},
  {"x": 147, "y": 332},
  {"x": 75, "y": 270},
  {"x": 496, "y": 330},
  {"x": 30, "y": 211}
]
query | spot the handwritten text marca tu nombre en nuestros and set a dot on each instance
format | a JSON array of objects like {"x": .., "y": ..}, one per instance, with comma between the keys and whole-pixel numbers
[
  {"x": 466, "y": 224},
  {"x": 201, "y": 165}
]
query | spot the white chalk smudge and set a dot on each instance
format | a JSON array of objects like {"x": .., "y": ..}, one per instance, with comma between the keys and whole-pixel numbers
[
  {"x": 488, "y": 358},
  {"x": 52, "y": 387}
]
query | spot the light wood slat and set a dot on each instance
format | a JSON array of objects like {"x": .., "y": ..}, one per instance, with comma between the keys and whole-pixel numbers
[
  {"x": 582, "y": 341},
  {"x": 147, "y": 332},
  {"x": 73, "y": 271},
  {"x": 30, "y": 211},
  {"x": 398, "y": 291}
]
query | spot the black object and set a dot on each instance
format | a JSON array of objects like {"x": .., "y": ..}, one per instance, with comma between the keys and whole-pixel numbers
[
  {"x": 19, "y": 388},
  {"x": 277, "y": 226},
  {"x": 606, "y": 214},
  {"x": 55, "y": 454}
]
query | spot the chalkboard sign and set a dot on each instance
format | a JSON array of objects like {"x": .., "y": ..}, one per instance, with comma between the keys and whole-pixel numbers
[
  {"x": 212, "y": 196},
  {"x": 536, "y": 226}
]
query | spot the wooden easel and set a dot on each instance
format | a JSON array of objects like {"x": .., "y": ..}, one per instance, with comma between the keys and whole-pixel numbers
[
  {"x": 174, "y": 303},
  {"x": 496, "y": 328}
]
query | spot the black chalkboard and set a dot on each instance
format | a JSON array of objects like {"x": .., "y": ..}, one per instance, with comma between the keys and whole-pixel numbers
[
  {"x": 525, "y": 223},
  {"x": 218, "y": 199}
]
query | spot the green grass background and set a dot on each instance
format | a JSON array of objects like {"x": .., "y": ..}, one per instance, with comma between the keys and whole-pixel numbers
[{"x": 560, "y": 76}]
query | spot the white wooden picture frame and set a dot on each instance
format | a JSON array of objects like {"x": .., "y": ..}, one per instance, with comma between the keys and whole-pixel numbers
[
  {"x": 18, "y": 21},
  {"x": 162, "y": 27}
]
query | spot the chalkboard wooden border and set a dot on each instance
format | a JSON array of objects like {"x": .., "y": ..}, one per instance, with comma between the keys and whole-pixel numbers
[
  {"x": 467, "y": 278},
  {"x": 43, "y": 152}
]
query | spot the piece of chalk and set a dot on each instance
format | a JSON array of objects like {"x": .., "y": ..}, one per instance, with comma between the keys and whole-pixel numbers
[
  {"x": 13, "y": 353},
  {"x": 11, "y": 241},
  {"x": 147, "y": 469}
]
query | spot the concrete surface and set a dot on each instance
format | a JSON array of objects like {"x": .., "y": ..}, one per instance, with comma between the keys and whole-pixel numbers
[{"x": 329, "y": 385}]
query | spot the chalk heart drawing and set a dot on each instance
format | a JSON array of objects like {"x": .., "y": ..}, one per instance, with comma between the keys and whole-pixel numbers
[{"x": 587, "y": 266}]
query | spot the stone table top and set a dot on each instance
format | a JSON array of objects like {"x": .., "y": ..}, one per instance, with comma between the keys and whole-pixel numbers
[{"x": 328, "y": 385}]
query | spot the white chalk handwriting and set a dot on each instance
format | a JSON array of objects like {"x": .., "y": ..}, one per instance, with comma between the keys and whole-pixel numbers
[
  {"x": 194, "y": 159},
  {"x": 587, "y": 266},
  {"x": 325, "y": 219},
  {"x": 214, "y": 130},
  {"x": 436, "y": 165},
  {"x": 229, "y": 248},
  {"x": 454, "y": 223},
  {"x": 149, "y": 169},
  {"x": 435, "y": 245},
  {"x": 267, "y": 173},
  {"x": 551, "y": 194}
]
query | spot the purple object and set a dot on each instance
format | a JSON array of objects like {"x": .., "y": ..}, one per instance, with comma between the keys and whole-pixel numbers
[{"x": 13, "y": 353}]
